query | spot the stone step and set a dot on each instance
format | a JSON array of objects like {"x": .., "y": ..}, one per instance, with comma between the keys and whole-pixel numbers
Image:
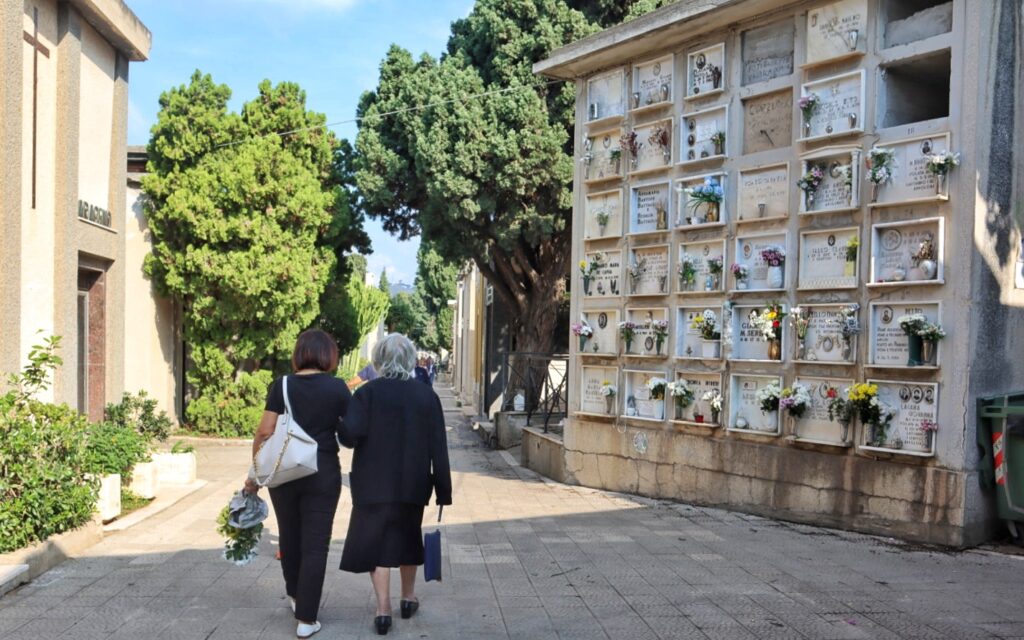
[{"x": 12, "y": 576}]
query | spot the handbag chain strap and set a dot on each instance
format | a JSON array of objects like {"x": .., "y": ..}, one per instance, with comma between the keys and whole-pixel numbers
[{"x": 287, "y": 439}]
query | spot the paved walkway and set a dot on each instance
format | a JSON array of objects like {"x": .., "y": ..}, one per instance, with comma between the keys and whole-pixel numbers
[{"x": 531, "y": 559}]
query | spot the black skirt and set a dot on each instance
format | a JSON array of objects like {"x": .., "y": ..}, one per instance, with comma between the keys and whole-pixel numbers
[{"x": 383, "y": 535}]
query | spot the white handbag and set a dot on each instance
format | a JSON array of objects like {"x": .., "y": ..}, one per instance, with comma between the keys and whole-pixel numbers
[{"x": 288, "y": 454}]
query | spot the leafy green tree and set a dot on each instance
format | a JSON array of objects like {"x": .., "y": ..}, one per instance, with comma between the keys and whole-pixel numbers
[
  {"x": 436, "y": 285},
  {"x": 383, "y": 284},
  {"x": 488, "y": 179},
  {"x": 247, "y": 226},
  {"x": 408, "y": 316}
]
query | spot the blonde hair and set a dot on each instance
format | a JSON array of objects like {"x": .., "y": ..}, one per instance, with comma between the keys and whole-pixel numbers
[{"x": 395, "y": 357}]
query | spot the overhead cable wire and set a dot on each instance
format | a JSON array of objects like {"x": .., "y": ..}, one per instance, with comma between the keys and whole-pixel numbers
[{"x": 418, "y": 107}]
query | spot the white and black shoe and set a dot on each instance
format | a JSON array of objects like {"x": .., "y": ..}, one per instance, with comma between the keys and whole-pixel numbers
[{"x": 306, "y": 630}]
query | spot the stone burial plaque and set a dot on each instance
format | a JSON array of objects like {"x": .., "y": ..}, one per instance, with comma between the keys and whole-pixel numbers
[
  {"x": 604, "y": 96},
  {"x": 605, "y": 324},
  {"x": 911, "y": 181},
  {"x": 652, "y": 82},
  {"x": 840, "y": 186},
  {"x": 591, "y": 381},
  {"x": 893, "y": 246},
  {"x": 824, "y": 343},
  {"x": 836, "y": 30},
  {"x": 601, "y": 148},
  {"x": 636, "y": 399},
  {"x": 768, "y": 121},
  {"x": 691, "y": 212},
  {"x": 748, "y": 253},
  {"x": 652, "y": 154},
  {"x": 705, "y": 69},
  {"x": 823, "y": 263},
  {"x": 697, "y": 131},
  {"x": 743, "y": 403},
  {"x": 914, "y": 402},
  {"x": 768, "y": 52},
  {"x": 605, "y": 206},
  {"x": 840, "y": 109},
  {"x": 689, "y": 344},
  {"x": 814, "y": 425},
  {"x": 889, "y": 346},
  {"x": 748, "y": 343},
  {"x": 649, "y": 208},
  {"x": 702, "y": 253},
  {"x": 651, "y": 263},
  {"x": 699, "y": 383},
  {"x": 607, "y": 281},
  {"x": 768, "y": 186},
  {"x": 644, "y": 341}
]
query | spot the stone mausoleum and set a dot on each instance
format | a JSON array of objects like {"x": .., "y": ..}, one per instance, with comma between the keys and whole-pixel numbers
[{"x": 780, "y": 208}]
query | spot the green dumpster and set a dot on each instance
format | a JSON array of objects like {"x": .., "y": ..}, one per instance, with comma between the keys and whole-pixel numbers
[{"x": 1001, "y": 438}]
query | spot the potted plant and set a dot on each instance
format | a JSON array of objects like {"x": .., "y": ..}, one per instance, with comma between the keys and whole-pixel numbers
[
  {"x": 682, "y": 396},
  {"x": 775, "y": 258},
  {"x": 583, "y": 331},
  {"x": 912, "y": 325},
  {"x": 808, "y": 105},
  {"x": 715, "y": 266},
  {"x": 795, "y": 400},
  {"x": 718, "y": 139},
  {"x": 177, "y": 467},
  {"x": 660, "y": 329},
  {"x": 627, "y": 331},
  {"x": 657, "y": 388},
  {"x": 929, "y": 427},
  {"x": 939, "y": 165},
  {"x": 661, "y": 138},
  {"x": 714, "y": 400},
  {"x": 849, "y": 328},
  {"x": 801, "y": 322},
  {"x": 850, "y": 268},
  {"x": 608, "y": 390},
  {"x": 709, "y": 196},
  {"x": 840, "y": 411},
  {"x": 636, "y": 271},
  {"x": 711, "y": 337},
  {"x": 872, "y": 412},
  {"x": 880, "y": 163},
  {"x": 809, "y": 183},
  {"x": 930, "y": 335},
  {"x": 741, "y": 273},
  {"x": 768, "y": 399},
  {"x": 769, "y": 323},
  {"x": 687, "y": 272},
  {"x": 629, "y": 142}
]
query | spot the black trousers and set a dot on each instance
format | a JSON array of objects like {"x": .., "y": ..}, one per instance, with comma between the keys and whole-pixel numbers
[{"x": 305, "y": 515}]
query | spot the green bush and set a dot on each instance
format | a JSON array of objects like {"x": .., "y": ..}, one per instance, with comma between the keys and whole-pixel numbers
[
  {"x": 111, "y": 448},
  {"x": 139, "y": 412},
  {"x": 233, "y": 410},
  {"x": 180, "y": 446},
  {"x": 43, "y": 490}
]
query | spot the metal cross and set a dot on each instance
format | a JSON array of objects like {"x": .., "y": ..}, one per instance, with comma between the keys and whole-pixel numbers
[{"x": 37, "y": 48}]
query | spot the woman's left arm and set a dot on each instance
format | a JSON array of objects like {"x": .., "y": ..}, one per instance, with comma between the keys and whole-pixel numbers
[
  {"x": 355, "y": 424},
  {"x": 441, "y": 471}
]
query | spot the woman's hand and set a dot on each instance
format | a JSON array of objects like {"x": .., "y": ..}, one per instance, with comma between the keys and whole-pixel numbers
[{"x": 251, "y": 486}]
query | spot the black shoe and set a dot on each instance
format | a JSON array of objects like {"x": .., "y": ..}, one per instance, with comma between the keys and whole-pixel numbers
[
  {"x": 409, "y": 607},
  {"x": 383, "y": 623}
]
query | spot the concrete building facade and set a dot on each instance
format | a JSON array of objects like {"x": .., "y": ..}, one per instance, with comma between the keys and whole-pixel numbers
[
  {"x": 793, "y": 109},
  {"x": 70, "y": 259}
]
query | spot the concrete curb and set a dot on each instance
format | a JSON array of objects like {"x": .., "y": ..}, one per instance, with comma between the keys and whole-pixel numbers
[
  {"x": 45, "y": 555},
  {"x": 173, "y": 494}
]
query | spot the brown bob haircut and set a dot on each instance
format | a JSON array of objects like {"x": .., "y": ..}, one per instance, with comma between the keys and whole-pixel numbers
[{"x": 315, "y": 349}]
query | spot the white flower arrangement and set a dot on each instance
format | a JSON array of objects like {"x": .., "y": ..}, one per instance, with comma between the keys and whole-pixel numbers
[
  {"x": 881, "y": 162},
  {"x": 656, "y": 383},
  {"x": 608, "y": 390},
  {"x": 763, "y": 324},
  {"x": 714, "y": 400},
  {"x": 768, "y": 397},
  {"x": 795, "y": 399},
  {"x": 679, "y": 389},
  {"x": 940, "y": 163}
]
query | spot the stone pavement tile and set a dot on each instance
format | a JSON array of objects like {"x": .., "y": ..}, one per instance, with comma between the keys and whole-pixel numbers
[
  {"x": 726, "y": 632},
  {"x": 41, "y": 628}
]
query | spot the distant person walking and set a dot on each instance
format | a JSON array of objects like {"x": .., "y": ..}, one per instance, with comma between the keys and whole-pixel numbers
[
  {"x": 420, "y": 372},
  {"x": 305, "y": 507},
  {"x": 396, "y": 426}
]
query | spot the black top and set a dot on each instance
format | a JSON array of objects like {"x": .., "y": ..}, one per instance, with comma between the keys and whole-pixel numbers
[
  {"x": 318, "y": 401},
  {"x": 401, "y": 450}
]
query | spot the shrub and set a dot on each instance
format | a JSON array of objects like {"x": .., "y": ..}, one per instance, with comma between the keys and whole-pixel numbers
[
  {"x": 43, "y": 490},
  {"x": 233, "y": 410},
  {"x": 180, "y": 446},
  {"x": 111, "y": 448},
  {"x": 139, "y": 412}
]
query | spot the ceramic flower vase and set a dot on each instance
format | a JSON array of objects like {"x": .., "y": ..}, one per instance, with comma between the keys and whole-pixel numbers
[
  {"x": 808, "y": 200},
  {"x": 915, "y": 345},
  {"x": 711, "y": 349},
  {"x": 940, "y": 184},
  {"x": 658, "y": 344},
  {"x": 741, "y": 284},
  {"x": 850, "y": 268},
  {"x": 583, "y": 342},
  {"x": 844, "y": 431},
  {"x": 586, "y": 285},
  {"x": 609, "y": 404},
  {"x": 770, "y": 421},
  {"x": 775, "y": 350},
  {"x": 714, "y": 417},
  {"x": 712, "y": 214},
  {"x": 775, "y": 277},
  {"x": 929, "y": 269},
  {"x": 680, "y": 411},
  {"x": 928, "y": 350}
]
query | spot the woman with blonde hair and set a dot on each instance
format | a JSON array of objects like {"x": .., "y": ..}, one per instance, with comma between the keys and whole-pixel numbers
[{"x": 396, "y": 426}]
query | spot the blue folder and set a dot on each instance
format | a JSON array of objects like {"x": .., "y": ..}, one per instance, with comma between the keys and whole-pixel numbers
[{"x": 432, "y": 552}]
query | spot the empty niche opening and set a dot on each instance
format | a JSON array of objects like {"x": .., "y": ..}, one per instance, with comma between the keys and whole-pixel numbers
[
  {"x": 915, "y": 90},
  {"x": 912, "y": 20}
]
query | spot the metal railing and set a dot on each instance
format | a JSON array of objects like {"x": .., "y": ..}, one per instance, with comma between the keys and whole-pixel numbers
[{"x": 543, "y": 380}]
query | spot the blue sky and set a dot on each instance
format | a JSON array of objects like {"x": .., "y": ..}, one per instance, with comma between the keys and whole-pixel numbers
[{"x": 332, "y": 48}]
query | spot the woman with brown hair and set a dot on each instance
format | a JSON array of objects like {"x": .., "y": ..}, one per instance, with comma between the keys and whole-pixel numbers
[{"x": 305, "y": 507}]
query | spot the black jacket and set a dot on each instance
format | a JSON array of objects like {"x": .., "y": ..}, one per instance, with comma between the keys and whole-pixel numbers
[{"x": 401, "y": 449}]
